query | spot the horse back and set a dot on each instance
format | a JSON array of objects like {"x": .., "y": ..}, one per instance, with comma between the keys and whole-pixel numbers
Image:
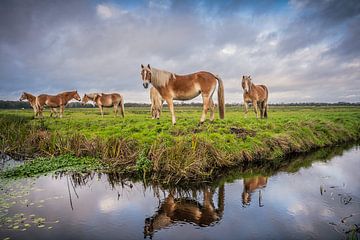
[
  {"x": 186, "y": 87},
  {"x": 261, "y": 92},
  {"x": 43, "y": 98},
  {"x": 108, "y": 100}
]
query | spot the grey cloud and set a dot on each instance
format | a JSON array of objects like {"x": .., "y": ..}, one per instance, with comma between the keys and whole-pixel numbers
[
  {"x": 317, "y": 21},
  {"x": 51, "y": 46}
]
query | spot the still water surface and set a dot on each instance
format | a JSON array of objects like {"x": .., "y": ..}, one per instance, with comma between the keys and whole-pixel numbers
[{"x": 314, "y": 196}]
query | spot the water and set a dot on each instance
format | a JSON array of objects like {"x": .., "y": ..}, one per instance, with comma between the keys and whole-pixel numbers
[{"x": 315, "y": 196}]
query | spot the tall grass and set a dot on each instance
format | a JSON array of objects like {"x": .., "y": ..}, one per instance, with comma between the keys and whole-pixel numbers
[{"x": 157, "y": 150}]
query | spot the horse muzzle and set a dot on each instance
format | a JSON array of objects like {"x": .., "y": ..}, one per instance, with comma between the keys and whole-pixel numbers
[{"x": 146, "y": 85}]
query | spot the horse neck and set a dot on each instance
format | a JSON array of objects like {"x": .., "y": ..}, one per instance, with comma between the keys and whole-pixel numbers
[
  {"x": 161, "y": 78},
  {"x": 68, "y": 96},
  {"x": 251, "y": 86},
  {"x": 30, "y": 97},
  {"x": 91, "y": 96}
]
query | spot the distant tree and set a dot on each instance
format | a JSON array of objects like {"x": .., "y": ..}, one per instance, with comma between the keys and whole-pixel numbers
[{"x": 26, "y": 105}]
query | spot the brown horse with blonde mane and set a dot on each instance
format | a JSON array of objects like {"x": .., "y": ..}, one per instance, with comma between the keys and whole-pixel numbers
[
  {"x": 32, "y": 100},
  {"x": 257, "y": 95},
  {"x": 156, "y": 103},
  {"x": 56, "y": 101},
  {"x": 106, "y": 100},
  {"x": 186, "y": 87}
]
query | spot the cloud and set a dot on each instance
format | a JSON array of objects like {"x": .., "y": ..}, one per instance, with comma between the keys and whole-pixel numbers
[
  {"x": 104, "y": 11},
  {"x": 303, "y": 51}
]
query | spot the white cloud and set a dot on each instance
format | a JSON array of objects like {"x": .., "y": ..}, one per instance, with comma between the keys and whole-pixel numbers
[
  {"x": 104, "y": 11},
  {"x": 228, "y": 50}
]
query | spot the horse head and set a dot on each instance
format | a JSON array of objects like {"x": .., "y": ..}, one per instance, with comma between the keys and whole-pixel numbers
[
  {"x": 76, "y": 96},
  {"x": 85, "y": 99},
  {"x": 23, "y": 97},
  {"x": 246, "y": 83},
  {"x": 146, "y": 75}
]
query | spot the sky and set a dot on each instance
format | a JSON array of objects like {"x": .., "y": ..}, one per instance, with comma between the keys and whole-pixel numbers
[{"x": 304, "y": 51}]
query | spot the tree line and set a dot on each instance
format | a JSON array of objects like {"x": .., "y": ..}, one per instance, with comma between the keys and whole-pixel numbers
[{"x": 26, "y": 105}]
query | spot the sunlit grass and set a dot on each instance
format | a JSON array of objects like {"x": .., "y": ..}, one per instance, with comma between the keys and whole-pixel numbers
[{"x": 183, "y": 151}]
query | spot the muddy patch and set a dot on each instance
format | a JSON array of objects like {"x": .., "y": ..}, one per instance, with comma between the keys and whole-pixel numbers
[{"x": 242, "y": 132}]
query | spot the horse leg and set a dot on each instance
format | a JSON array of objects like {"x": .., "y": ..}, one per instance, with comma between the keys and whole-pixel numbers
[
  {"x": 171, "y": 108},
  {"x": 212, "y": 110},
  {"x": 54, "y": 111},
  {"x": 101, "y": 110},
  {"x": 62, "y": 107},
  {"x": 261, "y": 106},
  {"x": 57, "y": 113},
  {"x": 153, "y": 113},
  {"x": 266, "y": 110},
  {"x": 206, "y": 101},
  {"x": 39, "y": 109},
  {"x": 246, "y": 108},
  {"x": 35, "y": 112},
  {"x": 256, "y": 108},
  {"x": 115, "y": 109}
]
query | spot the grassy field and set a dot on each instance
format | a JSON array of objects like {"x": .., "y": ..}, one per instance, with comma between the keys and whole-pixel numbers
[{"x": 186, "y": 151}]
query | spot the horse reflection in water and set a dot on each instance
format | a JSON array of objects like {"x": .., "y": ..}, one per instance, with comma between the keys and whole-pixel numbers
[
  {"x": 184, "y": 209},
  {"x": 250, "y": 186}
]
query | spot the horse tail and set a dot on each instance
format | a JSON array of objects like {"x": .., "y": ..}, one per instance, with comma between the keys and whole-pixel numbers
[
  {"x": 221, "y": 97},
  {"x": 122, "y": 106},
  {"x": 266, "y": 102}
]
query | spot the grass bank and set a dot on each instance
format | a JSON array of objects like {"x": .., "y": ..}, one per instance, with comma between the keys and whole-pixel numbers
[{"x": 157, "y": 150}]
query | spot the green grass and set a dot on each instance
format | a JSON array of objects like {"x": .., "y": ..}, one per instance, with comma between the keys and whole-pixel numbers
[{"x": 156, "y": 149}]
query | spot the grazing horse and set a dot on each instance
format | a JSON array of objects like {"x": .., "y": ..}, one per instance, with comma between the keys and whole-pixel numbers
[
  {"x": 186, "y": 87},
  {"x": 257, "y": 95},
  {"x": 56, "y": 101},
  {"x": 32, "y": 100},
  {"x": 173, "y": 210},
  {"x": 106, "y": 100},
  {"x": 156, "y": 103},
  {"x": 250, "y": 185}
]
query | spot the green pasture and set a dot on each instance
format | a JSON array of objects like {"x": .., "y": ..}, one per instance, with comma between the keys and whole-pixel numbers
[{"x": 186, "y": 150}]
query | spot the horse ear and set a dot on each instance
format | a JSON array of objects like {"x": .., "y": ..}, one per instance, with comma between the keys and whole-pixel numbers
[
  {"x": 149, "y": 66},
  {"x": 142, "y": 66}
]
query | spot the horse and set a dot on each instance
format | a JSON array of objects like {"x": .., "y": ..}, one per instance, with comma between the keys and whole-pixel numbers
[
  {"x": 106, "y": 100},
  {"x": 56, "y": 101},
  {"x": 256, "y": 94},
  {"x": 186, "y": 87},
  {"x": 32, "y": 100},
  {"x": 250, "y": 185},
  {"x": 156, "y": 103},
  {"x": 173, "y": 210}
]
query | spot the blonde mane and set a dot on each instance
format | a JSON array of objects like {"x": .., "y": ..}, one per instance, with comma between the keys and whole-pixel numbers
[
  {"x": 160, "y": 78},
  {"x": 92, "y": 96}
]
